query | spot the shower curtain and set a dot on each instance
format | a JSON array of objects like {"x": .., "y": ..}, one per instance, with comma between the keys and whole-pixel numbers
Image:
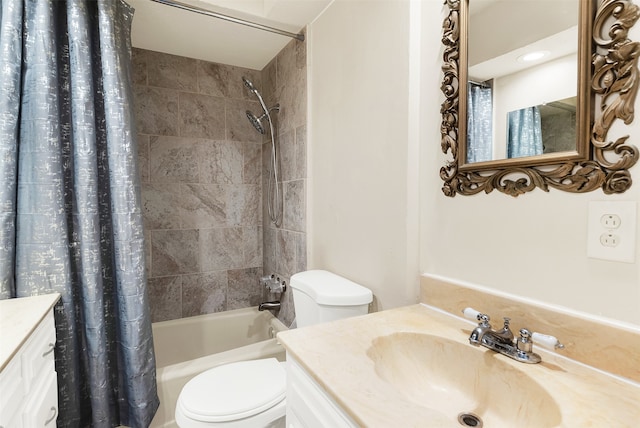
[
  {"x": 70, "y": 211},
  {"x": 524, "y": 133},
  {"x": 479, "y": 123}
]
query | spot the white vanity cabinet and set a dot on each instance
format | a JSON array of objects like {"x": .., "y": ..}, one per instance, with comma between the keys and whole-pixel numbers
[
  {"x": 28, "y": 380},
  {"x": 308, "y": 404}
]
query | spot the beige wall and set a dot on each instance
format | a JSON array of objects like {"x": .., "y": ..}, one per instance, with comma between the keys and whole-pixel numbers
[
  {"x": 359, "y": 218},
  {"x": 362, "y": 185}
]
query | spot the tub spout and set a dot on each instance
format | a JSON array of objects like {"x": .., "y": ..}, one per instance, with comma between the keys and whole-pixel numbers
[{"x": 272, "y": 306}]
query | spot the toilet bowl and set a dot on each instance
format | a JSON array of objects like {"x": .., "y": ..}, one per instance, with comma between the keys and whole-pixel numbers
[
  {"x": 251, "y": 394},
  {"x": 245, "y": 394}
]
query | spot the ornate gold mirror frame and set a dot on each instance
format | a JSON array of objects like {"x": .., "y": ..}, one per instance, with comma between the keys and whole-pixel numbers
[{"x": 613, "y": 75}]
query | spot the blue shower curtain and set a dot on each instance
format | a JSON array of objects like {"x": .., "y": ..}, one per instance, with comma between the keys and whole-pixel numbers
[
  {"x": 70, "y": 211},
  {"x": 479, "y": 123},
  {"x": 524, "y": 133}
]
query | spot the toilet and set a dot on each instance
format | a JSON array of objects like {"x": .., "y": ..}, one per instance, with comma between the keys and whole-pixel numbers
[{"x": 251, "y": 394}]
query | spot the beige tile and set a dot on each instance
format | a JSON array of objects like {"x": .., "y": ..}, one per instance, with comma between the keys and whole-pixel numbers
[
  {"x": 286, "y": 252},
  {"x": 221, "y": 162},
  {"x": 244, "y": 288},
  {"x": 243, "y": 205},
  {"x": 204, "y": 293},
  {"x": 287, "y": 311},
  {"x": 269, "y": 247},
  {"x": 171, "y": 71},
  {"x": 174, "y": 252},
  {"x": 165, "y": 298},
  {"x": 143, "y": 157},
  {"x": 294, "y": 216},
  {"x": 301, "y": 253},
  {"x": 252, "y": 239},
  {"x": 139, "y": 66},
  {"x": 161, "y": 204},
  {"x": 293, "y": 102},
  {"x": 202, "y": 206},
  {"x": 202, "y": 116},
  {"x": 252, "y": 163},
  {"x": 287, "y": 146},
  {"x": 221, "y": 248},
  {"x": 156, "y": 110},
  {"x": 300, "y": 170},
  {"x": 226, "y": 81},
  {"x": 291, "y": 61},
  {"x": 174, "y": 160},
  {"x": 269, "y": 82}
]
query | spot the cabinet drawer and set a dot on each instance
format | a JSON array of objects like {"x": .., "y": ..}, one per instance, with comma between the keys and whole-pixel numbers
[
  {"x": 37, "y": 354},
  {"x": 11, "y": 392},
  {"x": 41, "y": 409}
]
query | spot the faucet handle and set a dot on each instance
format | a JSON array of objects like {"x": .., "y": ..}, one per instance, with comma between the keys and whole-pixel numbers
[
  {"x": 472, "y": 314},
  {"x": 546, "y": 341}
]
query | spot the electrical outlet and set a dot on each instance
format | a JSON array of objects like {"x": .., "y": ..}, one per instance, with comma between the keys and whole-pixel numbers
[
  {"x": 609, "y": 240},
  {"x": 610, "y": 221},
  {"x": 612, "y": 231}
]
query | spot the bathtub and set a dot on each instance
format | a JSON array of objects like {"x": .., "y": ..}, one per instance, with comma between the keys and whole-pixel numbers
[{"x": 188, "y": 346}]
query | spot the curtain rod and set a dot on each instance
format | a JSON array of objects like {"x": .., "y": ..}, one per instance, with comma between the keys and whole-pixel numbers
[{"x": 196, "y": 9}]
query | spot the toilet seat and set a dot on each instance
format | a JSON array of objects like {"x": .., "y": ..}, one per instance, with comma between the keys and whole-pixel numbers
[{"x": 233, "y": 391}]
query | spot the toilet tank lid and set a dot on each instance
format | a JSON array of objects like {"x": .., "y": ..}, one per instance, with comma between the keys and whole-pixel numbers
[{"x": 327, "y": 288}]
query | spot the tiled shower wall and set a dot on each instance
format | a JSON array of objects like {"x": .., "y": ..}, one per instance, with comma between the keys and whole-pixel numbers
[
  {"x": 202, "y": 170},
  {"x": 285, "y": 249}
]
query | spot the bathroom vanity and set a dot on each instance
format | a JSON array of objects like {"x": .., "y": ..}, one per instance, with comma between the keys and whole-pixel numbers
[
  {"x": 28, "y": 380},
  {"x": 414, "y": 366}
]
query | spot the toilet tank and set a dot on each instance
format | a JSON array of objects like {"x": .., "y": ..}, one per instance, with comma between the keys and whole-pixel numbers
[{"x": 321, "y": 296}]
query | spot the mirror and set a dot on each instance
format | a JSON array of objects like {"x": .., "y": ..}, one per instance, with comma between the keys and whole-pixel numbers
[
  {"x": 514, "y": 126},
  {"x": 513, "y": 70}
]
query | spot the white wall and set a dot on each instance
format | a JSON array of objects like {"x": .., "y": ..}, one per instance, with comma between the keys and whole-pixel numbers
[
  {"x": 534, "y": 246},
  {"x": 359, "y": 202},
  {"x": 362, "y": 190}
]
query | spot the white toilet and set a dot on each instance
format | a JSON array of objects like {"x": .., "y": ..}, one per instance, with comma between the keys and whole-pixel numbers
[{"x": 251, "y": 394}]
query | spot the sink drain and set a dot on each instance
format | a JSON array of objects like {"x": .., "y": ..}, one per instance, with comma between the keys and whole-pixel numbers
[{"x": 469, "y": 420}]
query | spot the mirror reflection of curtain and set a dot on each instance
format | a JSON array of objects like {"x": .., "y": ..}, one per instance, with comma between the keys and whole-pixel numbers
[
  {"x": 524, "y": 133},
  {"x": 479, "y": 123}
]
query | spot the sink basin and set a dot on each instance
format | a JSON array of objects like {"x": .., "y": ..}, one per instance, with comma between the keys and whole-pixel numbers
[{"x": 455, "y": 378}]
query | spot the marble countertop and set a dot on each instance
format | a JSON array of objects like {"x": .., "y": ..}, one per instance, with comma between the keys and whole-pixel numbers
[
  {"x": 336, "y": 355},
  {"x": 18, "y": 319}
]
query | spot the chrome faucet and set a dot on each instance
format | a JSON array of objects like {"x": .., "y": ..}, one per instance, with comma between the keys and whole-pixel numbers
[
  {"x": 484, "y": 331},
  {"x": 502, "y": 341},
  {"x": 272, "y": 306}
]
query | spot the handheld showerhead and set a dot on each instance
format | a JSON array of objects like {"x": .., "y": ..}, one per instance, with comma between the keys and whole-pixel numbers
[
  {"x": 249, "y": 85},
  {"x": 274, "y": 199}
]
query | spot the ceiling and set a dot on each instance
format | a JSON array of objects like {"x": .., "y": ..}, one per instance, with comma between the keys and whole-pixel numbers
[{"x": 167, "y": 29}]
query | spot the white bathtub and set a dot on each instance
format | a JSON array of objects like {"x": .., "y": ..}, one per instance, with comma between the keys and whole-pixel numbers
[{"x": 188, "y": 346}]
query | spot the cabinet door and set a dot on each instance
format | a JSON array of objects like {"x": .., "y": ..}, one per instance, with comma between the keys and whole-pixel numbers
[
  {"x": 11, "y": 392},
  {"x": 37, "y": 354},
  {"x": 41, "y": 409},
  {"x": 308, "y": 404}
]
